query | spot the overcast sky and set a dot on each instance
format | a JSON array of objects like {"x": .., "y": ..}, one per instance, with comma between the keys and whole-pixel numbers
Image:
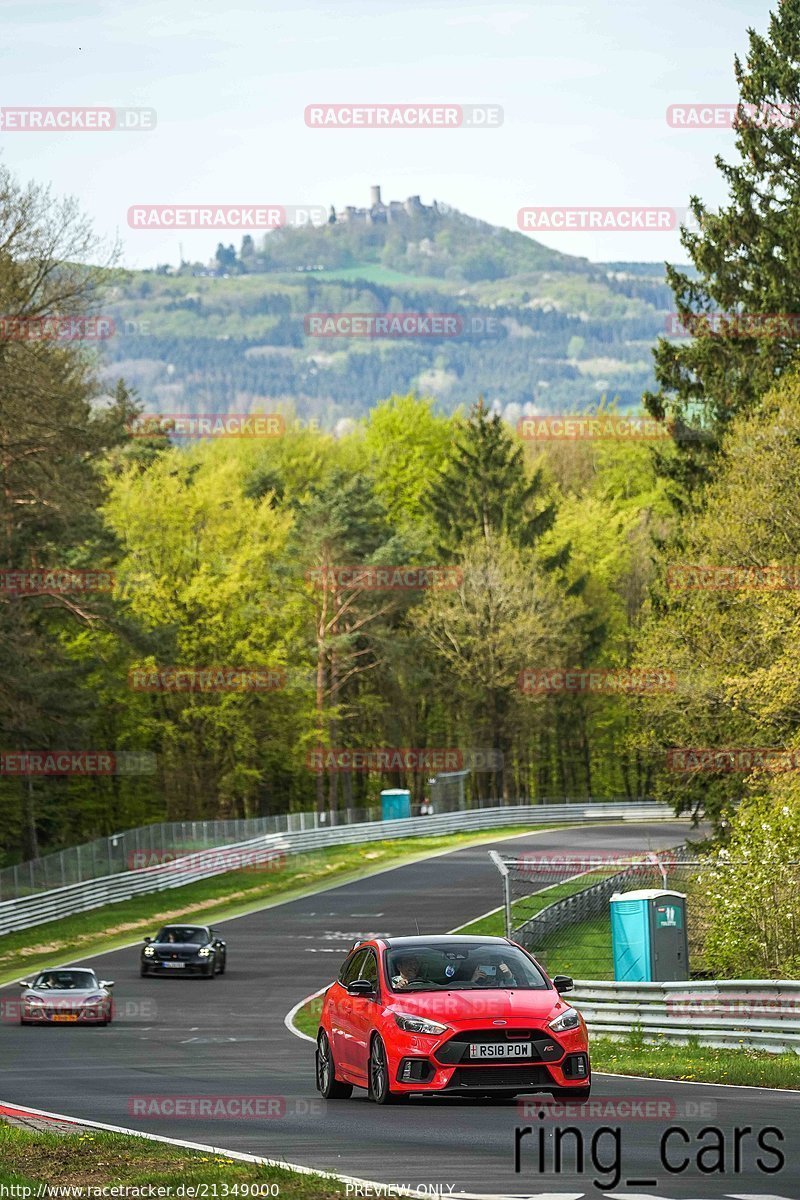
[{"x": 584, "y": 88}]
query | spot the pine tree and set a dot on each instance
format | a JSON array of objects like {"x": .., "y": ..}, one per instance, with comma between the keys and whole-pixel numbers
[
  {"x": 747, "y": 260},
  {"x": 484, "y": 490}
]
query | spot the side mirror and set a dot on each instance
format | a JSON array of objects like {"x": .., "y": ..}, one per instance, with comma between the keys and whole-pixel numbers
[
  {"x": 23, "y": 983},
  {"x": 563, "y": 983},
  {"x": 147, "y": 941},
  {"x": 360, "y": 987},
  {"x": 107, "y": 983}
]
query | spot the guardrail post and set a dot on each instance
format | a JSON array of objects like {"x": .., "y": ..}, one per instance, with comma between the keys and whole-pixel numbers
[{"x": 501, "y": 866}]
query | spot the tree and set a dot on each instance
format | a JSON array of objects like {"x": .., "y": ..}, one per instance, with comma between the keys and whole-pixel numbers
[
  {"x": 732, "y": 648},
  {"x": 54, "y": 434},
  {"x": 746, "y": 258},
  {"x": 503, "y": 614},
  {"x": 483, "y": 489}
]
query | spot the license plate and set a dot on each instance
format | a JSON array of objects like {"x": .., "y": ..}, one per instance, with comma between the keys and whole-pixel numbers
[
  {"x": 65, "y": 1016},
  {"x": 500, "y": 1050},
  {"x": 169, "y": 964}
]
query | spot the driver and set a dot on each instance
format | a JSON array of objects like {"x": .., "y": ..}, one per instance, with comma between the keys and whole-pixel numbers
[{"x": 407, "y": 971}]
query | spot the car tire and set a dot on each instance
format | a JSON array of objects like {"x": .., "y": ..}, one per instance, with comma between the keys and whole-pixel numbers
[
  {"x": 210, "y": 971},
  {"x": 328, "y": 1086},
  {"x": 222, "y": 965},
  {"x": 378, "y": 1075},
  {"x": 572, "y": 1095},
  {"x": 143, "y": 972}
]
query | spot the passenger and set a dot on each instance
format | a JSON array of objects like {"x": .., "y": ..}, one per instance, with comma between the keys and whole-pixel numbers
[{"x": 501, "y": 978}]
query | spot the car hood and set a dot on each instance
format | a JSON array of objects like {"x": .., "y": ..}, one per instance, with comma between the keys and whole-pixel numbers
[
  {"x": 482, "y": 1005},
  {"x": 60, "y": 995}
]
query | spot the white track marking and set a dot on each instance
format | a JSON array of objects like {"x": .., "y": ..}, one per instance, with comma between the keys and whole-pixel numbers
[
  {"x": 241, "y": 1156},
  {"x": 288, "y": 1020}
]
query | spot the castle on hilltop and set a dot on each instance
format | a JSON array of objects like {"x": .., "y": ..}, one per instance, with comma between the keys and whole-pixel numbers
[{"x": 379, "y": 213}]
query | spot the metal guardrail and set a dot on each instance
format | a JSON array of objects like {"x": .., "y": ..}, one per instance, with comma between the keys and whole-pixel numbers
[
  {"x": 80, "y": 897},
  {"x": 760, "y": 1014},
  {"x": 164, "y": 841}
]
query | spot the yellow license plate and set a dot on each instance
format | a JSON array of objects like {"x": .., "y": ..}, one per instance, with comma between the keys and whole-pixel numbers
[{"x": 65, "y": 1016}]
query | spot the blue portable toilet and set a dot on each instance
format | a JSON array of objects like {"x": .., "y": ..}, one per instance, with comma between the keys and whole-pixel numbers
[
  {"x": 395, "y": 803},
  {"x": 648, "y": 936}
]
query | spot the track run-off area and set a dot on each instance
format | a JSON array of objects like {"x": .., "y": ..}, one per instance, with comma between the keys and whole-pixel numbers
[{"x": 226, "y": 1040}]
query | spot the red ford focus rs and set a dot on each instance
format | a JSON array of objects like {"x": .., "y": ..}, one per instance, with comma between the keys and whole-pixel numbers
[{"x": 451, "y": 1014}]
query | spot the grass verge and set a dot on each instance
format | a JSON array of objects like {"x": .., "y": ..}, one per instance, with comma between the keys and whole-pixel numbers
[
  {"x": 93, "y": 1158},
  {"x": 219, "y": 897},
  {"x": 696, "y": 1064}
]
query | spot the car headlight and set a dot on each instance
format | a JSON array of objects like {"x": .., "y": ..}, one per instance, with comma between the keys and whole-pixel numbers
[
  {"x": 149, "y": 952},
  {"x": 206, "y": 950},
  {"x": 93, "y": 1000},
  {"x": 568, "y": 1020},
  {"x": 412, "y": 1024},
  {"x": 34, "y": 1000}
]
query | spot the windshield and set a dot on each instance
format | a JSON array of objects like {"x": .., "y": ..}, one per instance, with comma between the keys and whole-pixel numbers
[
  {"x": 65, "y": 980},
  {"x": 183, "y": 934},
  {"x": 465, "y": 967}
]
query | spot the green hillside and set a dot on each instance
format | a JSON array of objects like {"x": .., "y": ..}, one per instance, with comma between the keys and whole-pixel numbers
[{"x": 537, "y": 326}]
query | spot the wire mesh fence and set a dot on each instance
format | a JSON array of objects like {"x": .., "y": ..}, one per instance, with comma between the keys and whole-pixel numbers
[{"x": 557, "y": 906}]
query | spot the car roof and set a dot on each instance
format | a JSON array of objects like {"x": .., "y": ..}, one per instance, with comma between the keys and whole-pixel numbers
[
  {"x": 44, "y": 970},
  {"x": 185, "y": 925},
  {"x": 441, "y": 939}
]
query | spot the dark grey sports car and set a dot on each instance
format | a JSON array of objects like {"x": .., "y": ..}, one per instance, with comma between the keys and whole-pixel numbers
[{"x": 184, "y": 950}]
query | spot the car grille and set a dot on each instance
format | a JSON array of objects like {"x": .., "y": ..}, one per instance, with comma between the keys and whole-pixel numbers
[
  {"x": 175, "y": 956},
  {"x": 479, "y": 1078},
  {"x": 544, "y": 1047}
]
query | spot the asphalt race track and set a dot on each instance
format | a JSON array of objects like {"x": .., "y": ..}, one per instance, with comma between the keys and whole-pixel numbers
[{"x": 226, "y": 1038}]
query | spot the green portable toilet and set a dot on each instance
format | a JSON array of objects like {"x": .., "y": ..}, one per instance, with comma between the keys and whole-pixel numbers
[
  {"x": 395, "y": 802},
  {"x": 648, "y": 936}
]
